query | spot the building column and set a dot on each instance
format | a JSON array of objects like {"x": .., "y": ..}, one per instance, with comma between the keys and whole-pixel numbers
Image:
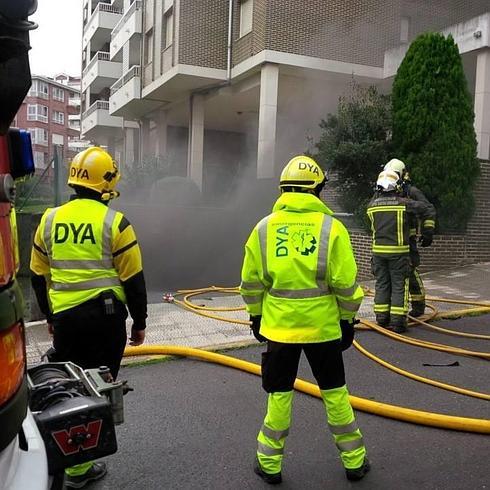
[
  {"x": 482, "y": 103},
  {"x": 130, "y": 155},
  {"x": 145, "y": 138},
  {"x": 269, "y": 83},
  {"x": 161, "y": 134},
  {"x": 196, "y": 140}
]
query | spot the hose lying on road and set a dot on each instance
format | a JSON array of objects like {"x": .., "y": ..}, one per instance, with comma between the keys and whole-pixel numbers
[{"x": 480, "y": 426}]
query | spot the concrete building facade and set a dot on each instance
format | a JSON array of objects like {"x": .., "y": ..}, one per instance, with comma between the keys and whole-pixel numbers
[
  {"x": 225, "y": 91},
  {"x": 264, "y": 71},
  {"x": 49, "y": 112}
]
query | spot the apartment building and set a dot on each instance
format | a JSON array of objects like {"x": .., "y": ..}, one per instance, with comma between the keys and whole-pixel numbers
[
  {"x": 221, "y": 87},
  {"x": 47, "y": 114}
]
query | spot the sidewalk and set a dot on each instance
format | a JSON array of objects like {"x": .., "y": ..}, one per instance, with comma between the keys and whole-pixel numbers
[{"x": 169, "y": 324}]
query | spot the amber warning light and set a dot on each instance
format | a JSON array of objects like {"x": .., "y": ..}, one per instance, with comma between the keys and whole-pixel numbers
[{"x": 12, "y": 361}]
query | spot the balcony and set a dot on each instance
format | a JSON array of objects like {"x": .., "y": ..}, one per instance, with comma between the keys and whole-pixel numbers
[
  {"x": 129, "y": 26},
  {"x": 39, "y": 95},
  {"x": 98, "y": 124},
  {"x": 125, "y": 99},
  {"x": 97, "y": 121},
  {"x": 74, "y": 101},
  {"x": 100, "y": 72},
  {"x": 100, "y": 24}
]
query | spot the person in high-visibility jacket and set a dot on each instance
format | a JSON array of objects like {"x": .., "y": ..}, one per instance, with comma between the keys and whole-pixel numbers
[
  {"x": 392, "y": 218},
  {"x": 299, "y": 287},
  {"x": 415, "y": 285},
  {"x": 86, "y": 266}
]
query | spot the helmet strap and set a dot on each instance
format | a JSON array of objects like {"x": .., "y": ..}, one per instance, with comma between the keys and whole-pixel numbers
[{"x": 108, "y": 195}]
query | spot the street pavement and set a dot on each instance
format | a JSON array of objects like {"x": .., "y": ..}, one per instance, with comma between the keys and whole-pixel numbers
[{"x": 191, "y": 424}]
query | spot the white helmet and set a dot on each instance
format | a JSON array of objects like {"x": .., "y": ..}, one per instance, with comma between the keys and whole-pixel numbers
[
  {"x": 396, "y": 165},
  {"x": 387, "y": 181}
]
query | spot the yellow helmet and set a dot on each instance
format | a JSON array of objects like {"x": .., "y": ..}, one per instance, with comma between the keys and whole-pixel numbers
[
  {"x": 95, "y": 169},
  {"x": 396, "y": 165},
  {"x": 302, "y": 171}
]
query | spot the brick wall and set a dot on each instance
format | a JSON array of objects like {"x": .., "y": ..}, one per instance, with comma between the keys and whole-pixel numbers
[
  {"x": 434, "y": 15},
  {"x": 203, "y": 33},
  {"x": 349, "y": 30},
  {"x": 448, "y": 250}
]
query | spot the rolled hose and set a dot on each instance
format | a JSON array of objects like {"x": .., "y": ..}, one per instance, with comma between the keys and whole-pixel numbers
[{"x": 396, "y": 412}]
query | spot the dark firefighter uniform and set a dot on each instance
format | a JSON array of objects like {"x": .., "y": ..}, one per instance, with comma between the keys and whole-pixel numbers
[
  {"x": 299, "y": 280},
  {"x": 86, "y": 267},
  {"x": 416, "y": 286},
  {"x": 392, "y": 218}
]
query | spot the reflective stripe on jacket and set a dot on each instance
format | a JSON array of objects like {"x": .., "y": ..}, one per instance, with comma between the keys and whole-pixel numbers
[
  {"x": 393, "y": 220},
  {"x": 77, "y": 238},
  {"x": 299, "y": 272}
]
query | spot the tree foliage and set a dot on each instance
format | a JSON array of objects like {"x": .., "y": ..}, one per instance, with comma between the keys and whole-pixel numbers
[
  {"x": 433, "y": 127},
  {"x": 355, "y": 143}
]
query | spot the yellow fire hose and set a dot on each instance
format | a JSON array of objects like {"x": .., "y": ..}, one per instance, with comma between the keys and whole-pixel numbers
[
  {"x": 480, "y": 426},
  {"x": 377, "y": 408}
]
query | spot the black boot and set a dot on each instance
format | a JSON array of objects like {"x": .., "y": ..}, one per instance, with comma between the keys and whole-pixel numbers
[
  {"x": 96, "y": 472},
  {"x": 270, "y": 478},
  {"x": 418, "y": 309},
  {"x": 358, "y": 473},
  {"x": 383, "y": 319}
]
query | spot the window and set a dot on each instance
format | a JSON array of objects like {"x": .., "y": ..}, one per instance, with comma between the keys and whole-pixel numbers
[
  {"x": 58, "y": 94},
  {"x": 39, "y": 89},
  {"x": 246, "y": 16},
  {"x": 168, "y": 22},
  {"x": 149, "y": 47},
  {"x": 39, "y": 161},
  {"x": 37, "y": 112},
  {"x": 59, "y": 117},
  {"x": 404, "y": 29},
  {"x": 39, "y": 136}
]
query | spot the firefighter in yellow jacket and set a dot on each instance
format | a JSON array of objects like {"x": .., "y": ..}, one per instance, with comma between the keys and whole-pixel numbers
[
  {"x": 299, "y": 287},
  {"x": 86, "y": 267}
]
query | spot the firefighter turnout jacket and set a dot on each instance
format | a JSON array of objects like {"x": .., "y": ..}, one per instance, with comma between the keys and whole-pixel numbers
[
  {"x": 394, "y": 220},
  {"x": 299, "y": 272},
  {"x": 82, "y": 249}
]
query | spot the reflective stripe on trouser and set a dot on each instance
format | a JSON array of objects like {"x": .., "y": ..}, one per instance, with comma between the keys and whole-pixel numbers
[
  {"x": 343, "y": 426},
  {"x": 272, "y": 435},
  {"x": 79, "y": 469},
  {"x": 416, "y": 287}
]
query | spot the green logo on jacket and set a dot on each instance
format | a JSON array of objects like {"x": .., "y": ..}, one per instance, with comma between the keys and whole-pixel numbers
[{"x": 304, "y": 242}]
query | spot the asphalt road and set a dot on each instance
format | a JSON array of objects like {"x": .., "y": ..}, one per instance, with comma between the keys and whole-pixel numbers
[{"x": 192, "y": 425}]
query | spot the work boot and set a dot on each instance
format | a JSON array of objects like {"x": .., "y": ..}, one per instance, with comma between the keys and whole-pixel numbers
[
  {"x": 383, "y": 319},
  {"x": 358, "y": 473},
  {"x": 96, "y": 472},
  {"x": 399, "y": 323},
  {"x": 418, "y": 309},
  {"x": 270, "y": 478}
]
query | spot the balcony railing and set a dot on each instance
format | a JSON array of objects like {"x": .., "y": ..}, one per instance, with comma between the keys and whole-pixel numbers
[
  {"x": 41, "y": 95},
  {"x": 134, "y": 71},
  {"x": 99, "y": 56},
  {"x": 98, "y": 104},
  {"x": 37, "y": 117},
  {"x": 105, "y": 7},
  {"x": 135, "y": 6}
]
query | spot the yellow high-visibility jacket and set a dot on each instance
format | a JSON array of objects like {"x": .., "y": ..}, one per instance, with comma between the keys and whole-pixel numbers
[
  {"x": 84, "y": 248},
  {"x": 299, "y": 272}
]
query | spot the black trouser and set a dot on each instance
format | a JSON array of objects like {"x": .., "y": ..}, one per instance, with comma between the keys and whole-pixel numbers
[
  {"x": 391, "y": 295},
  {"x": 415, "y": 284},
  {"x": 86, "y": 336},
  {"x": 280, "y": 365}
]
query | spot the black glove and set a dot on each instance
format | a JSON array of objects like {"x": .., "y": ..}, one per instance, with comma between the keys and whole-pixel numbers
[
  {"x": 426, "y": 239},
  {"x": 347, "y": 327},
  {"x": 255, "y": 328}
]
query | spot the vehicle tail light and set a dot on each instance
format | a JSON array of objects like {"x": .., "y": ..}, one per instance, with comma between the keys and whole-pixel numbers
[{"x": 12, "y": 361}]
